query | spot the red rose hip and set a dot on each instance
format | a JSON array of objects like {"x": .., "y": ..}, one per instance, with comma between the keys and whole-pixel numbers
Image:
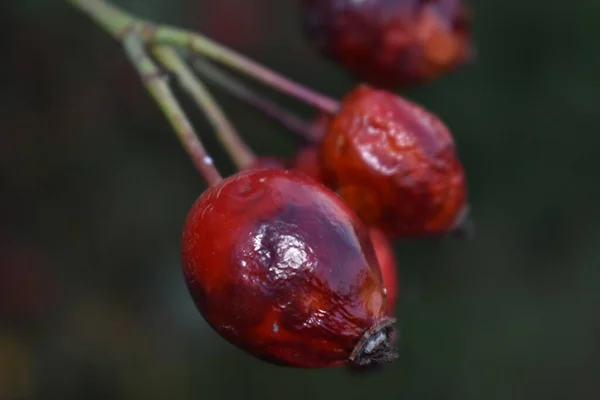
[
  {"x": 279, "y": 266},
  {"x": 390, "y": 43},
  {"x": 395, "y": 164}
]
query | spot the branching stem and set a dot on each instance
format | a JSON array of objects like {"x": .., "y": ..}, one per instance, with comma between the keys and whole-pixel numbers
[
  {"x": 227, "y": 134},
  {"x": 116, "y": 21},
  {"x": 156, "y": 83},
  {"x": 231, "y": 85}
]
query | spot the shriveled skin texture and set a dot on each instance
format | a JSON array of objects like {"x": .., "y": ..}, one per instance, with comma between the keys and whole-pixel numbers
[
  {"x": 388, "y": 266},
  {"x": 395, "y": 164},
  {"x": 282, "y": 268},
  {"x": 390, "y": 43}
]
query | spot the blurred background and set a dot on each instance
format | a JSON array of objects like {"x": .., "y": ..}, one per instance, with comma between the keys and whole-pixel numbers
[{"x": 94, "y": 189}]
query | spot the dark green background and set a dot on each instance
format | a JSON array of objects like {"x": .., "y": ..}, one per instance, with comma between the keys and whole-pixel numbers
[{"x": 94, "y": 190}]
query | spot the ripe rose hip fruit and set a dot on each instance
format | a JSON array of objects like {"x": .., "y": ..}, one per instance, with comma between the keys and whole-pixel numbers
[
  {"x": 282, "y": 268},
  {"x": 390, "y": 43},
  {"x": 395, "y": 164}
]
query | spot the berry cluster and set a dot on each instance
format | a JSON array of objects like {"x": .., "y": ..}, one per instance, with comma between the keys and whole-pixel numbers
[
  {"x": 301, "y": 248},
  {"x": 292, "y": 260}
]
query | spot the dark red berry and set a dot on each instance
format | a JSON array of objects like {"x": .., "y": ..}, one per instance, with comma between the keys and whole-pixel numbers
[
  {"x": 390, "y": 43},
  {"x": 307, "y": 162},
  {"x": 282, "y": 268},
  {"x": 395, "y": 164}
]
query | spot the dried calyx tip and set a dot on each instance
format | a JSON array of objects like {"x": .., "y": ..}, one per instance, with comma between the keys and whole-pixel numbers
[{"x": 375, "y": 347}]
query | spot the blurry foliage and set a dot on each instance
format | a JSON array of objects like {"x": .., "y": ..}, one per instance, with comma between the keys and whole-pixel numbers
[{"x": 94, "y": 188}]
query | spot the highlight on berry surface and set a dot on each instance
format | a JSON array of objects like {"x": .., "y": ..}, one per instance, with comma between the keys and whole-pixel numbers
[{"x": 390, "y": 43}]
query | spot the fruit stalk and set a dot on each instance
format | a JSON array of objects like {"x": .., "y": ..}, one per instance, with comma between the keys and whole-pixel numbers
[
  {"x": 116, "y": 21},
  {"x": 156, "y": 83},
  {"x": 240, "y": 153},
  {"x": 125, "y": 28},
  {"x": 213, "y": 50},
  {"x": 262, "y": 104}
]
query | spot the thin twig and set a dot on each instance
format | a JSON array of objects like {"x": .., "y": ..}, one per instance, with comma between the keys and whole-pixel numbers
[
  {"x": 116, "y": 21},
  {"x": 235, "y": 87},
  {"x": 156, "y": 83},
  {"x": 126, "y": 28},
  {"x": 219, "y": 53},
  {"x": 112, "y": 19},
  {"x": 227, "y": 134}
]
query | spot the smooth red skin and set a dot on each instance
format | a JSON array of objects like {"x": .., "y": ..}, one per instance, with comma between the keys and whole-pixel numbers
[
  {"x": 395, "y": 164},
  {"x": 282, "y": 268},
  {"x": 390, "y": 43}
]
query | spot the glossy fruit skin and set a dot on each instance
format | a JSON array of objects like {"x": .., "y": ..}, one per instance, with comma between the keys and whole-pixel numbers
[
  {"x": 279, "y": 266},
  {"x": 307, "y": 162},
  {"x": 390, "y": 43},
  {"x": 395, "y": 164}
]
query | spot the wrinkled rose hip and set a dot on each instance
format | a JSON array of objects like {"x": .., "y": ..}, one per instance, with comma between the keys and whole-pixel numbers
[
  {"x": 390, "y": 43},
  {"x": 395, "y": 164},
  {"x": 282, "y": 268}
]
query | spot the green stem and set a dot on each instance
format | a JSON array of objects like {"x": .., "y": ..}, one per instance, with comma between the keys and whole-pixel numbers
[
  {"x": 112, "y": 19},
  {"x": 211, "y": 49},
  {"x": 229, "y": 137},
  {"x": 228, "y": 83},
  {"x": 156, "y": 83},
  {"x": 126, "y": 28},
  {"x": 116, "y": 21}
]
